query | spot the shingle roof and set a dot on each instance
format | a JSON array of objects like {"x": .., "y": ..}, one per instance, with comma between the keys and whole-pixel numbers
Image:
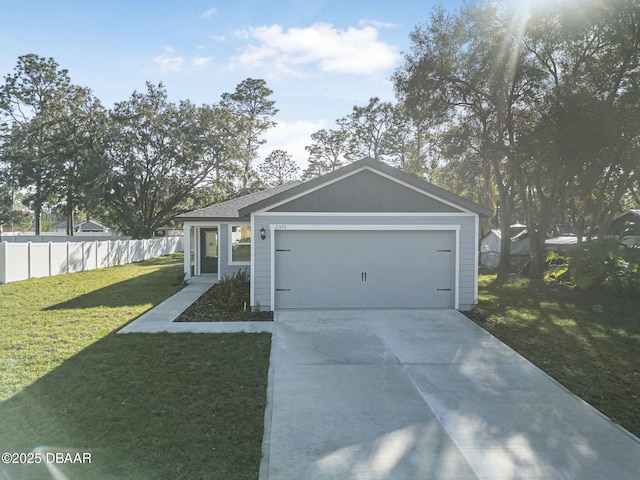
[
  {"x": 242, "y": 207},
  {"x": 230, "y": 209}
]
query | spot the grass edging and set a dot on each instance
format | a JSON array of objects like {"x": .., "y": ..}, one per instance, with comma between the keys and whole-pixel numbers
[{"x": 587, "y": 341}]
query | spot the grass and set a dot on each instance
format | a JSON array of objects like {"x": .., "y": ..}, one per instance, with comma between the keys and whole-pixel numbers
[
  {"x": 143, "y": 405},
  {"x": 589, "y": 341}
]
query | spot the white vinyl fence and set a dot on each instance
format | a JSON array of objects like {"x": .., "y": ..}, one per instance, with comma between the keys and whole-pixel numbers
[{"x": 20, "y": 261}]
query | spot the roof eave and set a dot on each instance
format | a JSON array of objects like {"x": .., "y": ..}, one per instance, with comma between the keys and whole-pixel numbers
[
  {"x": 186, "y": 219},
  {"x": 399, "y": 175}
]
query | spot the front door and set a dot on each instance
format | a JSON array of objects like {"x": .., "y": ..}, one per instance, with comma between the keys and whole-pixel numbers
[{"x": 208, "y": 250}]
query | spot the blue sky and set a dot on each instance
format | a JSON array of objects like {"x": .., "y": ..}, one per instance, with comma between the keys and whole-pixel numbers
[{"x": 320, "y": 57}]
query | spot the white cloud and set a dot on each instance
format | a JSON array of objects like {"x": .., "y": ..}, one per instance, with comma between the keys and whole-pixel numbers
[
  {"x": 354, "y": 50},
  {"x": 291, "y": 137},
  {"x": 375, "y": 23},
  {"x": 208, "y": 13},
  {"x": 169, "y": 64},
  {"x": 201, "y": 61}
]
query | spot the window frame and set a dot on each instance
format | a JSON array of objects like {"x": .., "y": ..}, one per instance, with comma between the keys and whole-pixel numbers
[{"x": 231, "y": 261}]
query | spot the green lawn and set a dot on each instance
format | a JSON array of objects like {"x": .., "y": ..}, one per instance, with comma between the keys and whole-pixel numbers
[
  {"x": 588, "y": 341},
  {"x": 145, "y": 406}
]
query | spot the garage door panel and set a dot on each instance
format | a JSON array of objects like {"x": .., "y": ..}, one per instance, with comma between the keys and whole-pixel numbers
[{"x": 410, "y": 269}]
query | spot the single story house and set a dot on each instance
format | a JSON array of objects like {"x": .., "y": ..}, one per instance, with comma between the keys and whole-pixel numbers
[
  {"x": 364, "y": 236},
  {"x": 86, "y": 226}
]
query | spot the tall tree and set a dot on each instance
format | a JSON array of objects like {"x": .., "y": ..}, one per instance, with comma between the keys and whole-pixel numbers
[
  {"x": 406, "y": 141},
  {"x": 369, "y": 128},
  {"x": 466, "y": 70},
  {"x": 80, "y": 130},
  {"x": 159, "y": 157},
  {"x": 549, "y": 99},
  {"x": 278, "y": 168},
  {"x": 253, "y": 112},
  {"x": 32, "y": 102},
  {"x": 586, "y": 137},
  {"x": 329, "y": 150}
]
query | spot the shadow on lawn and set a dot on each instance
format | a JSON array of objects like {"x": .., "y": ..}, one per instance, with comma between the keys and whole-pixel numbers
[
  {"x": 146, "y": 406},
  {"x": 151, "y": 288},
  {"x": 588, "y": 341}
]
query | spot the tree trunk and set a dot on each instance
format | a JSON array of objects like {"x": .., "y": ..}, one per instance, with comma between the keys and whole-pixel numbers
[
  {"x": 504, "y": 219},
  {"x": 538, "y": 258},
  {"x": 70, "y": 222},
  {"x": 37, "y": 213}
]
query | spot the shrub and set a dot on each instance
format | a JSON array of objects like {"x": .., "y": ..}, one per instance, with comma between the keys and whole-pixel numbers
[
  {"x": 232, "y": 293},
  {"x": 599, "y": 265}
]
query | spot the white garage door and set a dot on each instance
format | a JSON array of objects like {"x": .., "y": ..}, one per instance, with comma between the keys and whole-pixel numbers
[{"x": 364, "y": 269}]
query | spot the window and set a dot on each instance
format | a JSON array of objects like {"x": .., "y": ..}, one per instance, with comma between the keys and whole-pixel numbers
[{"x": 240, "y": 244}]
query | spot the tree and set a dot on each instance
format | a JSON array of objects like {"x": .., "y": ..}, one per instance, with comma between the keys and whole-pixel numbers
[
  {"x": 80, "y": 151},
  {"x": 329, "y": 151},
  {"x": 278, "y": 168},
  {"x": 252, "y": 111},
  {"x": 369, "y": 128},
  {"x": 406, "y": 140},
  {"x": 588, "y": 130},
  {"x": 159, "y": 157},
  {"x": 13, "y": 215},
  {"x": 466, "y": 70},
  {"x": 548, "y": 101},
  {"x": 51, "y": 143},
  {"x": 31, "y": 103}
]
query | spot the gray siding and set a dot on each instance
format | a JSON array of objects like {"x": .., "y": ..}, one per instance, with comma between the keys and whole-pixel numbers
[
  {"x": 365, "y": 191},
  {"x": 467, "y": 260}
]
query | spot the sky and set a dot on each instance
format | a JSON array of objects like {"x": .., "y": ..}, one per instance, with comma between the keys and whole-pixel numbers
[{"x": 320, "y": 57}]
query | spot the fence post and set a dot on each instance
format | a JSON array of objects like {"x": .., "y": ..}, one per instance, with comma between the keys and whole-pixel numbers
[
  {"x": 50, "y": 259},
  {"x": 29, "y": 259},
  {"x": 3, "y": 262}
]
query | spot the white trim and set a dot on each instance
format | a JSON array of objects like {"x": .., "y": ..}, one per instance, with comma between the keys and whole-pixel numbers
[
  {"x": 295, "y": 226},
  {"x": 456, "y": 280},
  {"x": 251, "y": 263},
  {"x": 186, "y": 246},
  {"x": 273, "y": 269},
  {"x": 230, "y": 261},
  {"x": 361, "y": 169},
  {"x": 424, "y": 228},
  {"x": 366, "y": 214},
  {"x": 198, "y": 227},
  {"x": 476, "y": 259}
]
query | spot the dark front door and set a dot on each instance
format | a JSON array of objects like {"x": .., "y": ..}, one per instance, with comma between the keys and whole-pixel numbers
[{"x": 208, "y": 250}]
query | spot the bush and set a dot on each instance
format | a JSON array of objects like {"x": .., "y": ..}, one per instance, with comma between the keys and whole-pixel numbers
[
  {"x": 599, "y": 265},
  {"x": 232, "y": 293}
]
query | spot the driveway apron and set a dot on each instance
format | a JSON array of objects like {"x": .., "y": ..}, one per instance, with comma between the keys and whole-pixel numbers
[{"x": 424, "y": 394}]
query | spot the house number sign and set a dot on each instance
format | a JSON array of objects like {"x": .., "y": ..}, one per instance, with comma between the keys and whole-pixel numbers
[{"x": 280, "y": 226}]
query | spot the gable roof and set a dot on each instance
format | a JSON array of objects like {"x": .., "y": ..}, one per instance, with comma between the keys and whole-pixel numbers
[
  {"x": 242, "y": 207},
  {"x": 376, "y": 166},
  {"x": 230, "y": 209}
]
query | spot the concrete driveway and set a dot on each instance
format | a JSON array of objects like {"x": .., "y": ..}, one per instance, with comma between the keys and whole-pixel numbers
[{"x": 392, "y": 394}]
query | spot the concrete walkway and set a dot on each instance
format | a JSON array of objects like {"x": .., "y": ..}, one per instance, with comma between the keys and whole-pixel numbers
[
  {"x": 388, "y": 394},
  {"x": 161, "y": 318}
]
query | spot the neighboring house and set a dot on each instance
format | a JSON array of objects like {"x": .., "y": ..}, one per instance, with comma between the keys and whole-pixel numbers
[
  {"x": 365, "y": 236},
  {"x": 491, "y": 247},
  {"x": 87, "y": 226},
  {"x": 625, "y": 223},
  {"x": 626, "y": 228}
]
